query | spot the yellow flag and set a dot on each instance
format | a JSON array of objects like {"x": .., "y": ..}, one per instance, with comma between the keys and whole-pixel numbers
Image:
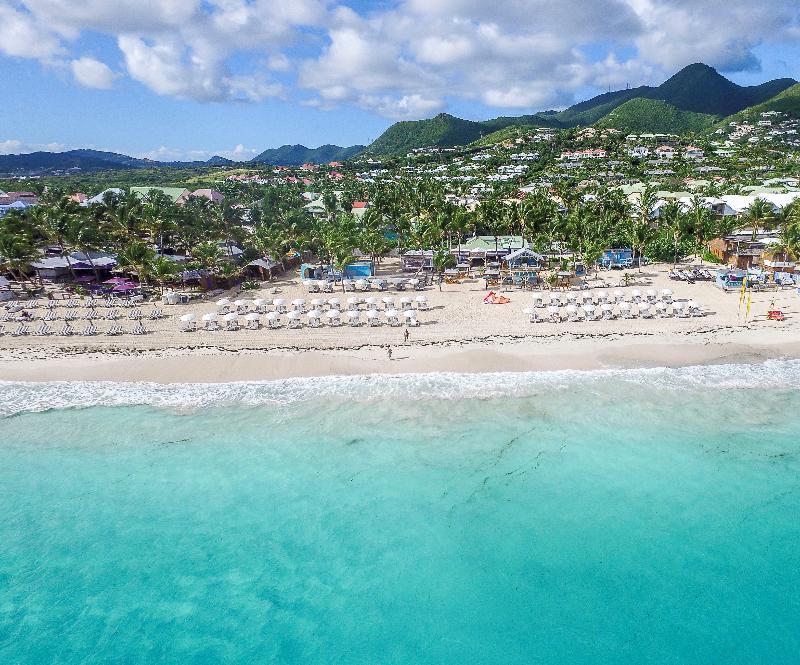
[{"x": 749, "y": 302}]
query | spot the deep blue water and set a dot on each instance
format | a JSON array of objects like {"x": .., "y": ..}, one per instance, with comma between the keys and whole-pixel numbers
[{"x": 633, "y": 517}]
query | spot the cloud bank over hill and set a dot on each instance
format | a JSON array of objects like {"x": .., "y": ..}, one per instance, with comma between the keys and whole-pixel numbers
[{"x": 404, "y": 59}]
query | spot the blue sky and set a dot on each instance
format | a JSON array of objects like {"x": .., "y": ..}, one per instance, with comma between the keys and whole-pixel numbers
[{"x": 185, "y": 79}]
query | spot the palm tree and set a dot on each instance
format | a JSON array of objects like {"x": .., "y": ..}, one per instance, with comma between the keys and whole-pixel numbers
[
  {"x": 760, "y": 215},
  {"x": 17, "y": 249},
  {"x": 163, "y": 270},
  {"x": 139, "y": 257},
  {"x": 442, "y": 260}
]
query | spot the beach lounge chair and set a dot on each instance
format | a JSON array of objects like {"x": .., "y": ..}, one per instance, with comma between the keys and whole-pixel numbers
[
  {"x": 587, "y": 299},
  {"x": 299, "y": 305},
  {"x": 645, "y": 310},
  {"x": 89, "y": 330},
  {"x": 261, "y": 305},
  {"x": 392, "y": 317},
  {"x": 372, "y": 318},
  {"x": 91, "y": 315},
  {"x": 661, "y": 310},
  {"x": 223, "y": 305},
  {"x": 652, "y": 296},
  {"x": 555, "y": 300},
  {"x": 42, "y": 330},
  {"x": 20, "y": 330},
  {"x": 530, "y": 312},
  {"x": 372, "y": 303},
  {"x": 411, "y": 318},
  {"x": 362, "y": 285},
  {"x": 273, "y": 319},
  {"x": 252, "y": 320},
  {"x": 51, "y": 315},
  {"x": 314, "y": 318},
  {"x": 112, "y": 314},
  {"x": 71, "y": 304},
  {"x": 294, "y": 320},
  {"x": 636, "y": 296},
  {"x": 210, "y": 322},
  {"x": 602, "y": 298},
  {"x": 388, "y": 303},
  {"x": 326, "y": 287},
  {"x": 405, "y": 303},
  {"x": 422, "y": 303},
  {"x": 353, "y": 304},
  {"x": 619, "y": 296},
  {"x": 354, "y": 318},
  {"x": 231, "y": 321},
  {"x": 538, "y": 301},
  {"x": 591, "y": 312},
  {"x": 416, "y": 284},
  {"x": 572, "y": 298},
  {"x": 139, "y": 329},
  {"x": 115, "y": 329},
  {"x": 693, "y": 309},
  {"x": 608, "y": 311},
  {"x": 572, "y": 314},
  {"x": 188, "y": 322},
  {"x": 155, "y": 314},
  {"x": 334, "y": 303},
  {"x": 134, "y": 314},
  {"x": 334, "y": 317},
  {"x": 66, "y": 331},
  {"x": 70, "y": 315},
  {"x": 666, "y": 296},
  {"x": 626, "y": 310},
  {"x": 280, "y": 305},
  {"x": 680, "y": 310},
  {"x": 554, "y": 314}
]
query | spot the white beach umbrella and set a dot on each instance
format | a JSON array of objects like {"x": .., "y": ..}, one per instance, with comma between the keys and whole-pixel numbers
[
  {"x": 421, "y": 299},
  {"x": 252, "y": 316},
  {"x": 352, "y": 314},
  {"x": 552, "y": 309},
  {"x": 333, "y": 314},
  {"x": 239, "y": 303},
  {"x": 390, "y": 313},
  {"x": 314, "y": 314},
  {"x": 298, "y": 302},
  {"x": 618, "y": 295},
  {"x": 602, "y": 295},
  {"x": 223, "y": 302},
  {"x": 410, "y": 314},
  {"x": 260, "y": 302},
  {"x": 625, "y": 307},
  {"x": 589, "y": 309},
  {"x": 353, "y": 301},
  {"x": 272, "y": 316},
  {"x": 186, "y": 318},
  {"x": 211, "y": 316},
  {"x": 606, "y": 307},
  {"x": 231, "y": 317},
  {"x": 293, "y": 315},
  {"x": 644, "y": 307},
  {"x": 360, "y": 284},
  {"x": 316, "y": 303},
  {"x": 279, "y": 301},
  {"x": 666, "y": 293},
  {"x": 636, "y": 293},
  {"x": 660, "y": 306},
  {"x": 555, "y": 296},
  {"x": 372, "y": 313},
  {"x": 334, "y": 303},
  {"x": 388, "y": 301},
  {"x": 371, "y": 302},
  {"x": 692, "y": 304},
  {"x": 651, "y": 293},
  {"x": 571, "y": 309}
]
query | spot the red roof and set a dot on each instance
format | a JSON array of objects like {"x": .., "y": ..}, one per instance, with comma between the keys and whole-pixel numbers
[{"x": 360, "y": 204}]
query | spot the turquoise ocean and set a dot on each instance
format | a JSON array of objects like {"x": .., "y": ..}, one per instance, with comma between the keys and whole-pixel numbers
[{"x": 643, "y": 516}]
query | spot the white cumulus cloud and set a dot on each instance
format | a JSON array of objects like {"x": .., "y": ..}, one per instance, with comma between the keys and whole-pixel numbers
[{"x": 92, "y": 73}]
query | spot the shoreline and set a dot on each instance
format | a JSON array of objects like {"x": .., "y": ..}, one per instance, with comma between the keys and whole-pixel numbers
[{"x": 526, "y": 354}]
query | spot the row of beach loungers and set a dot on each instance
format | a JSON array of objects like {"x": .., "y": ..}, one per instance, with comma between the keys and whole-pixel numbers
[
  {"x": 372, "y": 284},
  {"x": 602, "y": 298},
  {"x": 353, "y": 303},
  {"x": 231, "y": 321},
  {"x": 50, "y": 315},
  {"x": 67, "y": 330},
  {"x": 608, "y": 311},
  {"x": 72, "y": 303}
]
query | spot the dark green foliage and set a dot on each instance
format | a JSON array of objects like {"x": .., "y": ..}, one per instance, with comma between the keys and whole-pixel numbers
[
  {"x": 650, "y": 115},
  {"x": 296, "y": 155}
]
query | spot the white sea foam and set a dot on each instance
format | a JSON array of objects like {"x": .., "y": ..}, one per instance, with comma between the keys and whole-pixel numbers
[{"x": 21, "y": 397}]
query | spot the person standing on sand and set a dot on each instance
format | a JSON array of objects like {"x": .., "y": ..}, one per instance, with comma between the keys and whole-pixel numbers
[
  {"x": 406, "y": 336},
  {"x": 389, "y": 352}
]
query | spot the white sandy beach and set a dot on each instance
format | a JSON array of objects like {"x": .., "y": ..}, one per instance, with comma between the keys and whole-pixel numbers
[{"x": 458, "y": 334}]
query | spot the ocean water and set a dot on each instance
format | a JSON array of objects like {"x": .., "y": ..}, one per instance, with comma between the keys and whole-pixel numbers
[{"x": 648, "y": 516}]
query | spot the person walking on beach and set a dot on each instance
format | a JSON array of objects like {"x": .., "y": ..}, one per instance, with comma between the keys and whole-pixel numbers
[
  {"x": 389, "y": 352},
  {"x": 406, "y": 336}
]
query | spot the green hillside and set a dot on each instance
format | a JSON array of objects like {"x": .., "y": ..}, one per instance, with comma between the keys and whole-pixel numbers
[
  {"x": 506, "y": 134},
  {"x": 655, "y": 116},
  {"x": 787, "y": 101},
  {"x": 296, "y": 155},
  {"x": 691, "y": 100}
]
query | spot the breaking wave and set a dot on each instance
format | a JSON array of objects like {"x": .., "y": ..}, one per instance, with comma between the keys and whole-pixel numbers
[{"x": 22, "y": 397}]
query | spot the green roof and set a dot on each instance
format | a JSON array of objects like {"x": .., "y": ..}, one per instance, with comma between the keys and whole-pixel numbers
[
  {"x": 174, "y": 193},
  {"x": 488, "y": 243}
]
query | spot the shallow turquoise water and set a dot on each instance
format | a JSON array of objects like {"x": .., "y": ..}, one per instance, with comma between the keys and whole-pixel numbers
[{"x": 639, "y": 517}]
